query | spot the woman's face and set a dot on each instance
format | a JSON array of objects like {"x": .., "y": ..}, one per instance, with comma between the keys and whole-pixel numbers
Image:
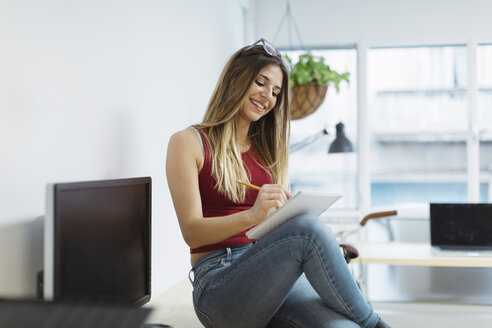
[{"x": 262, "y": 94}]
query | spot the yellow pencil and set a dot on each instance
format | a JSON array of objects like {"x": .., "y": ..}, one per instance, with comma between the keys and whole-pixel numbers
[{"x": 248, "y": 184}]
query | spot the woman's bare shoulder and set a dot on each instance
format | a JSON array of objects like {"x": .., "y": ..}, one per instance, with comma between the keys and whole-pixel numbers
[
  {"x": 186, "y": 141},
  {"x": 186, "y": 136}
]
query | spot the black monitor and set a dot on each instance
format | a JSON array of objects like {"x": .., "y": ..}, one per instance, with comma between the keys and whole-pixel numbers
[
  {"x": 466, "y": 226},
  {"x": 97, "y": 241}
]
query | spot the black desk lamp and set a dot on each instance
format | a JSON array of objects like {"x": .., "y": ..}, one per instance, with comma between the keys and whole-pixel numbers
[{"x": 341, "y": 144}]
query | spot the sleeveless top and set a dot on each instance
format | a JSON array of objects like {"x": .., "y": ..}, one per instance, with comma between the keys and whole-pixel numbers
[{"x": 215, "y": 204}]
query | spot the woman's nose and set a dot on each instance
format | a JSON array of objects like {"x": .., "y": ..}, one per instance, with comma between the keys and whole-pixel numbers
[{"x": 267, "y": 94}]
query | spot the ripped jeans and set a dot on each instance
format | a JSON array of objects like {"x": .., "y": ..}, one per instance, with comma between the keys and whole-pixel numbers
[{"x": 294, "y": 276}]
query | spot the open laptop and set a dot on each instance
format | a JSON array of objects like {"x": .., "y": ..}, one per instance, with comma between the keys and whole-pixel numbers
[{"x": 461, "y": 229}]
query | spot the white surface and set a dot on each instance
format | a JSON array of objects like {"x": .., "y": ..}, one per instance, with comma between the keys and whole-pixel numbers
[
  {"x": 414, "y": 254},
  {"x": 175, "y": 307},
  {"x": 93, "y": 90},
  {"x": 303, "y": 202},
  {"x": 438, "y": 251}
]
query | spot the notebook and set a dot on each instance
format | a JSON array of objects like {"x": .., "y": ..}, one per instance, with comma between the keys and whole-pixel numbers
[
  {"x": 301, "y": 203},
  {"x": 461, "y": 229},
  {"x": 32, "y": 313}
]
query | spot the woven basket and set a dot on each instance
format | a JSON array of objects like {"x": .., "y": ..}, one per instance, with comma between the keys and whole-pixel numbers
[{"x": 306, "y": 98}]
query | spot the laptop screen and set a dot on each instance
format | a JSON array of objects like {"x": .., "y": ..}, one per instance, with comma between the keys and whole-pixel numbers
[{"x": 461, "y": 226}]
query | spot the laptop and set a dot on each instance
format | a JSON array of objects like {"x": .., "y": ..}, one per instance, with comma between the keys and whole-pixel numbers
[
  {"x": 461, "y": 229},
  {"x": 41, "y": 314}
]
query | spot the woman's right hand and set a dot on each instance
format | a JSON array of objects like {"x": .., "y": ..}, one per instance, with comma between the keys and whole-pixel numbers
[{"x": 270, "y": 197}]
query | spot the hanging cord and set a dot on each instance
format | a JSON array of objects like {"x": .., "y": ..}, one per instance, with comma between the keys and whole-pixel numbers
[{"x": 291, "y": 23}]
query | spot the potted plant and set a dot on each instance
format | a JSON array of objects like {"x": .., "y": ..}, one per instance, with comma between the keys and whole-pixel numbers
[{"x": 309, "y": 79}]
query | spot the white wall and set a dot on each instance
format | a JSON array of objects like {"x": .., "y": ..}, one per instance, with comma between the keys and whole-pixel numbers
[
  {"x": 377, "y": 22},
  {"x": 93, "y": 90}
]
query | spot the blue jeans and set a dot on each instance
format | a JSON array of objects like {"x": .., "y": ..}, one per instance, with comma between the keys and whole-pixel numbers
[{"x": 294, "y": 276}]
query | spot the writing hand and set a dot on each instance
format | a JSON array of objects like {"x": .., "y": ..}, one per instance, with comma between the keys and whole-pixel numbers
[{"x": 270, "y": 197}]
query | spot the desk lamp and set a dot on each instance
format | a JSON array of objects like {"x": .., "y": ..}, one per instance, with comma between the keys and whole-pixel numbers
[{"x": 341, "y": 144}]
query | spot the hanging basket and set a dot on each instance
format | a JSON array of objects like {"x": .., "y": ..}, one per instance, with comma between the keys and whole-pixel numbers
[{"x": 306, "y": 98}]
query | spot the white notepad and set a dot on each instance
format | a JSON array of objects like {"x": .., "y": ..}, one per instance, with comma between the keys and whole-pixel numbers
[{"x": 303, "y": 202}]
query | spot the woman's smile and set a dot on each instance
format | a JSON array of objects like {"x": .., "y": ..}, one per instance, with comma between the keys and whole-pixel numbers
[{"x": 260, "y": 106}]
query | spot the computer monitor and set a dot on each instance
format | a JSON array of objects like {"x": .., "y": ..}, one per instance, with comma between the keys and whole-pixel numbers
[
  {"x": 466, "y": 226},
  {"x": 97, "y": 241}
]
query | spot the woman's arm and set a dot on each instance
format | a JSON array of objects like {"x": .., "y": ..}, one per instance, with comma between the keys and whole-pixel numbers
[{"x": 183, "y": 164}]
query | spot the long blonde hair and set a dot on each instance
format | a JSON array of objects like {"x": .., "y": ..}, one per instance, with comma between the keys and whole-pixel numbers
[{"x": 269, "y": 135}]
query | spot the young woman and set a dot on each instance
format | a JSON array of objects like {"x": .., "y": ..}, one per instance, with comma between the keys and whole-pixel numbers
[{"x": 295, "y": 276}]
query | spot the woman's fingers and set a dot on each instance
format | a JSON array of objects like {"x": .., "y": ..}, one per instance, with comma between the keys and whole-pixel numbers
[
  {"x": 276, "y": 194},
  {"x": 273, "y": 203},
  {"x": 270, "y": 198},
  {"x": 276, "y": 191}
]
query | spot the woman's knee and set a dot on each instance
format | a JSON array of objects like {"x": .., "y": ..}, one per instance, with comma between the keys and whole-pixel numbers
[
  {"x": 310, "y": 225},
  {"x": 305, "y": 228},
  {"x": 309, "y": 222}
]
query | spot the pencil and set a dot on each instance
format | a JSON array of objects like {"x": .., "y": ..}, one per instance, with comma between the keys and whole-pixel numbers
[{"x": 248, "y": 184}]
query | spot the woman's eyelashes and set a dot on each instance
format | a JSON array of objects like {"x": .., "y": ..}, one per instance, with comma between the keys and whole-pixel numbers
[{"x": 261, "y": 84}]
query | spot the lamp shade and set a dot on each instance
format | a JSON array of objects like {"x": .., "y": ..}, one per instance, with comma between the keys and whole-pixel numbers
[{"x": 341, "y": 144}]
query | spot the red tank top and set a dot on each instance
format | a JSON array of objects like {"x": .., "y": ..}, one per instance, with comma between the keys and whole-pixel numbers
[{"x": 215, "y": 204}]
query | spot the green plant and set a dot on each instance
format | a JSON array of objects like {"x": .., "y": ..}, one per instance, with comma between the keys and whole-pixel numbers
[{"x": 312, "y": 68}]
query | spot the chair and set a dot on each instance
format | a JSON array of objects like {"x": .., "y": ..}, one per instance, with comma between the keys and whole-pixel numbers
[{"x": 349, "y": 251}]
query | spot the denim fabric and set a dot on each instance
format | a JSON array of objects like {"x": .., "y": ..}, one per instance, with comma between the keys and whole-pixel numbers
[{"x": 295, "y": 276}]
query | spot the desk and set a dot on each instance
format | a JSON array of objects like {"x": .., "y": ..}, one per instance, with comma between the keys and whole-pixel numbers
[
  {"x": 414, "y": 254},
  {"x": 175, "y": 307},
  {"x": 418, "y": 255}
]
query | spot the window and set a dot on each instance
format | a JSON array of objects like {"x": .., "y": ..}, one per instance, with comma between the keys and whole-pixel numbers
[
  {"x": 311, "y": 167},
  {"x": 418, "y": 114},
  {"x": 418, "y": 123},
  {"x": 484, "y": 64}
]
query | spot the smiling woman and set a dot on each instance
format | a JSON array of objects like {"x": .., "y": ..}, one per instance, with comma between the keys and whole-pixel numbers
[{"x": 298, "y": 268}]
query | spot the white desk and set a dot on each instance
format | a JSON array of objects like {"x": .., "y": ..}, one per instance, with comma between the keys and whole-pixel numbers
[
  {"x": 410, "y": 254},
  {"x": 175, "y": 307},
  {"x": 414, "y": 254}
]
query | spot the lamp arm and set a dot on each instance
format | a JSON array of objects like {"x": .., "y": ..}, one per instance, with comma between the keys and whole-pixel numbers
[{"x": 307, "y": 141}]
